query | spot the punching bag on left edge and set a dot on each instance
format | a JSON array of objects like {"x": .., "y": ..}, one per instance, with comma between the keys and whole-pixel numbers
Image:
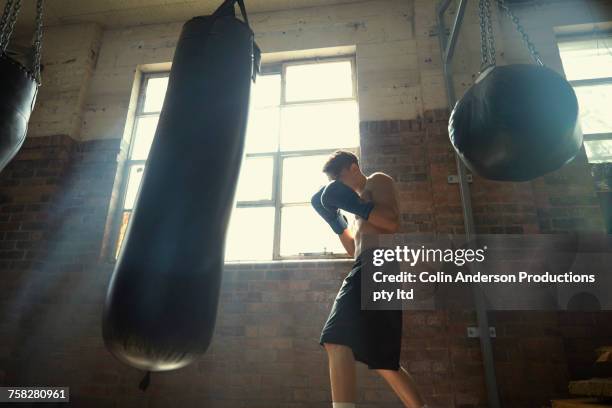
[
  {"x": 162, "y": 298},
  {"x": 19, "y": 89}
]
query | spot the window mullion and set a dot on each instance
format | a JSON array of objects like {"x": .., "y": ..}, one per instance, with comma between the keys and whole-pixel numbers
[
  {"x": 597, "y": 136},
  {"x": 127, "y": 165},
  {"x": 590, "y": 82},
  {"x": 276, "y": 196},
  {"x": 319, "y": 101},
  {"x": 278, "y": 173},
  {"x": 254, "y": 204}
]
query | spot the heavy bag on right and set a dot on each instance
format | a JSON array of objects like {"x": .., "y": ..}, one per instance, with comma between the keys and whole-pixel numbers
[{"x": 517, "y": 122}]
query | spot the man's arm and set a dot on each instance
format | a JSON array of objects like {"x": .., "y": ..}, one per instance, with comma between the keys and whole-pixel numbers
[
  {"x": 348, "y": 241},
  {"x": 336, "y": 221},
  {"x": 382, "y": 211},
  {"x": 385, "y": 214}
]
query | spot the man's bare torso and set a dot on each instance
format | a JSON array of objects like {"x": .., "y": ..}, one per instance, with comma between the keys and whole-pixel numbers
[{"x": 367, "y": 235}]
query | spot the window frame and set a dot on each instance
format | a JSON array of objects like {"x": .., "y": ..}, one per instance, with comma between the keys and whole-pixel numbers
[
  {"x": 577, "y": 83},
  {"x": 277, "y": 156},
  {"x": 129, "y": 162}
]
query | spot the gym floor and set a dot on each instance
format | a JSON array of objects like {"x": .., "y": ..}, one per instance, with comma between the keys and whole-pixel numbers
[{"x": 67, "y": 196}]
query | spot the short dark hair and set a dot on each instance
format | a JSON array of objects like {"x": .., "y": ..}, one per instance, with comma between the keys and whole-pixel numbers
[{"x": 338, "y": 161}]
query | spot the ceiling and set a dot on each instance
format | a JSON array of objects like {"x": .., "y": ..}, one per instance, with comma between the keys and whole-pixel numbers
[{"x": 121, "y": 13}]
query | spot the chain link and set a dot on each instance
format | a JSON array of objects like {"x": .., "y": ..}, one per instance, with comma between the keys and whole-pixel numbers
[
  {"x": 7, "y": 30},
  {"x": 535, "y": 55},
  {"x": 8, "y": 8},
  {"x": 484, "y": 48},
  {"x": 38, "y": 40},
  {"x": 491, "y": 34},
  {"x": 7, "y": 24}
]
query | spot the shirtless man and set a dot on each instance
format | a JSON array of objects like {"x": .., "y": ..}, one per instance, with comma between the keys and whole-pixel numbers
[{"x": 351, "y": 334}]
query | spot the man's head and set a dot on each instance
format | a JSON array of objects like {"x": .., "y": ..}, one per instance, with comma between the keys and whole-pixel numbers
[{"x": 344, "y": 166}]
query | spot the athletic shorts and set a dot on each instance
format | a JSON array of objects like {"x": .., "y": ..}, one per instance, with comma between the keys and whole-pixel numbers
[{"x": 375, "y": 336}]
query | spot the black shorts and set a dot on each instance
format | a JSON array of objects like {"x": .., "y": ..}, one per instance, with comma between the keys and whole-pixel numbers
[{"x": 375, "y": 336}]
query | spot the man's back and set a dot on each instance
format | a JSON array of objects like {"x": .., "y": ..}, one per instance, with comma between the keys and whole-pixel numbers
[{"x": 380, "y": 189}]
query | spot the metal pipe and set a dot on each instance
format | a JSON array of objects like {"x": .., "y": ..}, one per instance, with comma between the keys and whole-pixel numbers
[
  {"x": 454, "y": 34},
  {"x": 442, "y": 6},
  {"x": 447, "y": 52}
]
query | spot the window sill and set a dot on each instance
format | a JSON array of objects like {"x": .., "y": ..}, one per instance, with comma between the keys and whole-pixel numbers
[
  {"x": 275, "y": 261},
  {"x": 289, "y": 261}
]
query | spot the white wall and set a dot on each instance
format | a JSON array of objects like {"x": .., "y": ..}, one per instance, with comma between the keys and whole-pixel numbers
[{"x": 89, "y": 73}]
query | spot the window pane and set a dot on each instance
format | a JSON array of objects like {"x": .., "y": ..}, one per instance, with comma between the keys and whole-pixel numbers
[
  {"x": 255, "y": 182},
  {"x": 319, "y": 81},
  {"x": 143, "y": 137},
  {"x": 262, "y": 130},
  {"x": 135, "y": 176},
  {"x": 595, "y": 110},
  {"x": 125, "y": 218},
  {"x": 303, "y": 231},
  {"x": 320, "y": 126},
  {"x": 302, "y": 177},
  {"x": 250, "y": 234},
  {"x": 586, "y": 59},
  {"x": 599, "y": 151},
  {"x": 266, "y": 91},
  {"x": 155, "y": 94}
]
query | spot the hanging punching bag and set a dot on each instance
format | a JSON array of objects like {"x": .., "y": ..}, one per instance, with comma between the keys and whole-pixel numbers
[
  {"x": 162, "y": 298},
  {"x": 516, "y": 123},
  {"x": 19, "y": 89},
  {"x": 19, "y": 84}
]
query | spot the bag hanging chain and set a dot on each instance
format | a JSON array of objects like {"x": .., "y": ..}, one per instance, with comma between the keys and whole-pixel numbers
[
  {"x": 11, "y": 10},
  {"x": 484, "y": 48},
  {"x": 535, "y": 55},
  {"x": 492, "y": 52},
  {"x": 8, "y": 6},
  {"x": 487, "y": 38},
  {"x": 38, "y": 40},
  {"x": 7, "y": 23}
]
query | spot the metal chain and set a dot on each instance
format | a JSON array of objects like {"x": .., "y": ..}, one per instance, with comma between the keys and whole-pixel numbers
[
  {"x": 8, "y": 8},
  {"x": 484, "y": 50},
  {"x": 8, "y": 29},
  {"x": 38, "y": 40},
  {"x": 535, "y": 55},
  {"x": 490, "y": 33}
]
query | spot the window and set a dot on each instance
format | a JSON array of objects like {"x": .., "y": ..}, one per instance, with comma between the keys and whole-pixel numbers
[
  {"x": 149, "y": 105},
  {"x": 300, "y": 112},
  {"x": 587, "y": 62}
]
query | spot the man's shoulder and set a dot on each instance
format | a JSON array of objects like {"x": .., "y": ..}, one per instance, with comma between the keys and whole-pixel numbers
[{"x": 380, "y": 177}]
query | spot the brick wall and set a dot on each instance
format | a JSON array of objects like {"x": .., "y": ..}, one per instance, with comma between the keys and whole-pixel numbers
[
  {"x": 265, "y": 353},
  {"x": 418, "y": 155}
]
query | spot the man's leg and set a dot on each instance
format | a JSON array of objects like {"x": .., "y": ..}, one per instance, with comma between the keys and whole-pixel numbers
[
  {"x": 403, "y": 384},
  {"x": 341, "y": 374}
]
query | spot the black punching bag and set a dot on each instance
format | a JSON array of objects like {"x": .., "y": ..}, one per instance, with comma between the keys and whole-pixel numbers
[
  {"x": 19, "y": 89},
  {"x": 516, "y": 123},
  {"x": 162, "y": 298},
  {"x": 19, "y": 82}
]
